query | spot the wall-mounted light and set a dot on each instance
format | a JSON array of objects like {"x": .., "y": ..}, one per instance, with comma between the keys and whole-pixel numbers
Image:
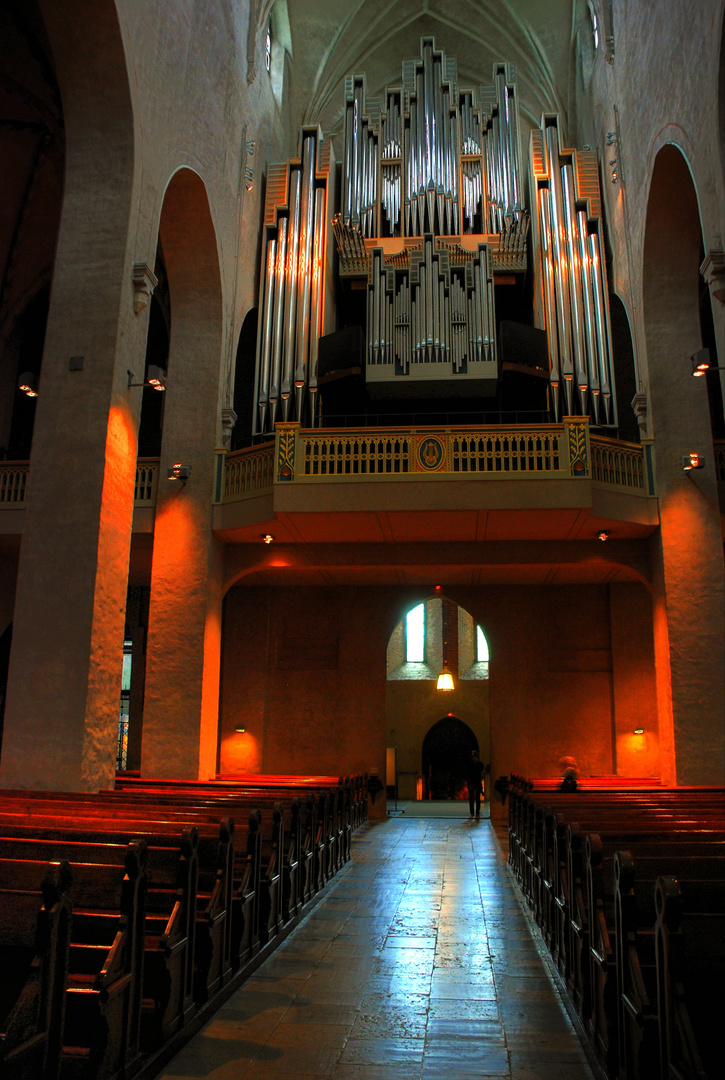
[
  {"x": 156, "y": 378},
  {"x": 693, "y": 460},
  {"x": 28, "y": 383},
  {"x": 701, "y": 363},
  {"x": 267, "y": 537},
  {"x": 240, "y": 728},
  {"x": 179, "y": 472},
  {"x": 603, "y": 535},
  {"x": 639, "y": 731}
]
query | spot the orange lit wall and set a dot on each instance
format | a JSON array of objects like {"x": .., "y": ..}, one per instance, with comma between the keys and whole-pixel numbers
[{"x": 571, "y": 667}]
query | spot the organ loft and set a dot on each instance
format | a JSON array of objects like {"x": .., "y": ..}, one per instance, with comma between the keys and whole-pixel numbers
[{"x": 361, "y": 407}]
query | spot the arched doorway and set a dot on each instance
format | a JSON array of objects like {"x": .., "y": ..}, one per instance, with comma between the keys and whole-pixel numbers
[
  {"x": 432, "y": 634},
  {"x": 445, "y": 755}
]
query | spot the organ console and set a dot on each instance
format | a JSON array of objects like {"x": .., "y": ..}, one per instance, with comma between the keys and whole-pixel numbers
[{"x": 431, "y": 213}]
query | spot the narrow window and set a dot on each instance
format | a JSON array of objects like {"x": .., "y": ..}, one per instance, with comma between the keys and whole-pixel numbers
[
  {"x": 268, "y": 50},
  {"x": 122, "y": 746},
  {"x": 415, "y": 635},
  {"x": 481, "y": 646},
  {"x": 595, "y": 23}
]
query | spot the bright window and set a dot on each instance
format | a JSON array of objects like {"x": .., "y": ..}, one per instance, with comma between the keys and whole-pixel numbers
[
  {"x": 268, "y": 50},
  {"x": 415, "y": 635},
  {"x": 481, "y": 646}
]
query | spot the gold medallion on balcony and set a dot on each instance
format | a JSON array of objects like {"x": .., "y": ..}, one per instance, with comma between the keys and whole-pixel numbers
[{"x": 431, "y": 453}]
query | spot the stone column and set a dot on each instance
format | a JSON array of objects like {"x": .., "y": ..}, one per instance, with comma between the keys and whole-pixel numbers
[
  {"x": 61, "y": 718},
  {"x": 184, "y": 635}
]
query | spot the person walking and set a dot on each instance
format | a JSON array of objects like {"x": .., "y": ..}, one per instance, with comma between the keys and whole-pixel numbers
[{"x": 474, "y": 780}]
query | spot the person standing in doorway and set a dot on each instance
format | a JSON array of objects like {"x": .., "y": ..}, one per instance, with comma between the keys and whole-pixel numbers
[{"x": 474, "y": 780}]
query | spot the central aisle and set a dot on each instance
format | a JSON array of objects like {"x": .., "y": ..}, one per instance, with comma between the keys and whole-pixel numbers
[{"x": 418, "y": 965}]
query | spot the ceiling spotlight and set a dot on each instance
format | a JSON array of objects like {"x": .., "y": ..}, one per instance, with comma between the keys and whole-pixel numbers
[
  {"x": 603, "y": 534},
  {"x": 693, "y": 460},
  {"x": 267, "y": 537},
  {"x": 28, "y": 383}
]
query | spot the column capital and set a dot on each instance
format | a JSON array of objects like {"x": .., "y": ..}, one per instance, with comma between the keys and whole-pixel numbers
[
  {"x": 144, "y": 283},
  {"x": 712, "y": 269}
]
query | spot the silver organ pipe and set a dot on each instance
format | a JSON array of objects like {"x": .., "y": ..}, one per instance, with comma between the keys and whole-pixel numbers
[
  {"x": 572, "y": 285},
  {"x": 294, "y": 306},
  {"x": 431, "y": 321},
  {"x": 423, "y": 157}
]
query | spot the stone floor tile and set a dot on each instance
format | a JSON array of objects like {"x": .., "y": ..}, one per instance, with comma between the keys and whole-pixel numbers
[{"x": 418, "y": 964}]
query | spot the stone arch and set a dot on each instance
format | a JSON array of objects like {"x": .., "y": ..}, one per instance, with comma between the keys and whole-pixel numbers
[
  {"x": 78, "y": 521},
  {"x": 688, "y": 587},
  {"x": 183, "y": 651}
]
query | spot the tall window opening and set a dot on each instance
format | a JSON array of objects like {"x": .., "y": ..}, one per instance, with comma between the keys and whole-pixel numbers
[
  {"x": 415, "y": 635},
  {"x": 122, "y": 746}
]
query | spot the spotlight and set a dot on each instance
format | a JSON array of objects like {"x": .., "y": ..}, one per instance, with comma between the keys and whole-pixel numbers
[
  {"x": 693, "y": 460},
  {"x": 179, "y": 472},
  {"x": 639, "y": 731},
  {"x": 603, "y": 535},
  {"x": 267, "y": 537},
  {"x": 156, "y": 378},
  {"x": 240, "y": 728},
  {"x": 701, "y": 363},
  {"x": 28, "y": 383}
]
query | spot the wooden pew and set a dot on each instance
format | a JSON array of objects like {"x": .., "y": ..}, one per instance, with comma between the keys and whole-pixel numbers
[
  {"x": 35, "y": 924},
  {"x": 172, "y": 873},
  {"x": 702, "y": 879},
  {"x": 101, "y": 1038},
  {"x": 690, "y": 967}
]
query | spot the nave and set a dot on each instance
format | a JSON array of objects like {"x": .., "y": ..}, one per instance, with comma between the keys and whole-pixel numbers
[{"x": 418, "y": 963}]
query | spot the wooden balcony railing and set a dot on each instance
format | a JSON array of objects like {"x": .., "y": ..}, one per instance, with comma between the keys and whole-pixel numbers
[
  {"x": 14, "y": 478},
  {"x": 546, "y": 451}
]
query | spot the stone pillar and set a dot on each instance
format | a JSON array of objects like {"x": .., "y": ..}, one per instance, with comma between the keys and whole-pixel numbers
[
  {"x": 184, "y": 635},
  {"x": 61, "y": 718},
  {"x": 688, "y": 578}
]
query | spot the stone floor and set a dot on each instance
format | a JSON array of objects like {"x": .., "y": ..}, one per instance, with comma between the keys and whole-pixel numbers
[{"x": 418, "y": 964}]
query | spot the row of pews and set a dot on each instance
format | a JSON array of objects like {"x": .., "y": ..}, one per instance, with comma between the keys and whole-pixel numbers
[
  {"x": 127, "y": 916},
  {"x": 627, "y": 886}
]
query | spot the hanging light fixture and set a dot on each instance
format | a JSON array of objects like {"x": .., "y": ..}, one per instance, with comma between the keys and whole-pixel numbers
[{"x": 445, "y": 679}]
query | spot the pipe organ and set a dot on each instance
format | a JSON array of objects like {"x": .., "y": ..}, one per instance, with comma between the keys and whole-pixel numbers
[
  {"x": 572, "y": 300},
  {"x": 431, "y": 218},
  {"x": 431, "y": 205},
  {"x": 432, "y": 320},
  {"x": 295, "y": 308},
  {"x": 428, "y": 158}
]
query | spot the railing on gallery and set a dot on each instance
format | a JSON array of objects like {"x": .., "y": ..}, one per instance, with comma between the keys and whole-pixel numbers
[
  {"x": 546, "y": 451},
  {"x": 13, "y": 481},
  {"x": 248, "y": 471},
  {"x": 719, "y": 451},
  {"x": 147, "y": 481},
  {"x": 618, "y": 463}
]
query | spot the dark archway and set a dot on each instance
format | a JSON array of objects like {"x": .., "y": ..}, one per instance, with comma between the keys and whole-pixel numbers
[
  {"x": 625, "y": 374},
  {"x": 244, "y": 405},
  {"x": 446, "y": 752}
]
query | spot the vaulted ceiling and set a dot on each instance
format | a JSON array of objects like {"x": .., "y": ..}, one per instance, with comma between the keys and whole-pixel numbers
[{"x": 331, "y": 39}]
